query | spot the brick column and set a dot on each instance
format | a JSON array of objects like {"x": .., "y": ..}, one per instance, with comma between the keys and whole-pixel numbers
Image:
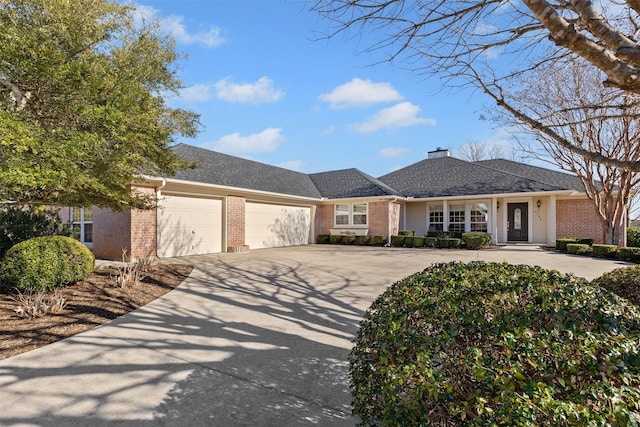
[{"x": 236, "y": 225}]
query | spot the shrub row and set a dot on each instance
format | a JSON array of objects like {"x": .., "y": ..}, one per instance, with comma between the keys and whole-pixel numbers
[
  {"x": 587, "y": 247},
  {"x": 352, "y": 240},
  {"x": 472, "y": 240},
  {"x": 497, "y": 344}
]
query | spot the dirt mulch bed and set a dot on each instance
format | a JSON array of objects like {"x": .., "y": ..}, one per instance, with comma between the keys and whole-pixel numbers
[{"x": 88, "y": 304}]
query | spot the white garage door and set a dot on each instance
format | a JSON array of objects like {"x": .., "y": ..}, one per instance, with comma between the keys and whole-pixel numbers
[
  {"x": 270, "y": 226},
  {"x": 189, "y": 226}
]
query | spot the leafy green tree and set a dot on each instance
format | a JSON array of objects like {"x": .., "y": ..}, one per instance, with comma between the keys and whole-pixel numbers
[{"x": 82, "y": 103}]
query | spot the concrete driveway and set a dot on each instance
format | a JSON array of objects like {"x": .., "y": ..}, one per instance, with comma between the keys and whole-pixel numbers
[{"x": 259, "y": 339}]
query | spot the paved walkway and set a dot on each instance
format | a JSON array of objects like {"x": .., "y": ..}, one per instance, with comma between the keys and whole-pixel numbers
[{"x": 257, "y": 339}]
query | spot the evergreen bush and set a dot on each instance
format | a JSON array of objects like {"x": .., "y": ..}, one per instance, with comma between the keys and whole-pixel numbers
[
  {"x": 604, "y": 251},
  {"x": 418, "y": 242},
  {"x": 324, "y": 238},
  {"x": 379, "y": 240},
  {"x": 624, "y": 281},
  {"x": 630, "y": 254},
  {"x": 577, "y": 249},
  {"x": 44, "y": 263},
  {"x": 431, "y": 242},
  {"x": 633, "y": 237},
  {"x": 335, "y": 238},
  {"x": 20, "y": 223},
  {"x": 397, "y": 241},
  {"x": 365, "y": 240},
  {"x": 476, "y": 239},
  {"x": 484, "y": 344}
]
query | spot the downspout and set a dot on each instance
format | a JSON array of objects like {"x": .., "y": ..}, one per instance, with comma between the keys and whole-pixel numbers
[
  {"x": 158, "y": 195},
  {"x": 395, "y": 199}
]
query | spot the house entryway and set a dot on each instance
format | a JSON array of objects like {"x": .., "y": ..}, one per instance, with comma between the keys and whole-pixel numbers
[{"x": 518, "y": 222}]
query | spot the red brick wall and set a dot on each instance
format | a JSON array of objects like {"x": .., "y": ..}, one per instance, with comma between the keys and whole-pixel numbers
[
  {"x": 577, "y": 218},
  {"x": 378, "y": 218},
  {"x": 236, "y": 224},
  {"x": 135, "y": 231}
]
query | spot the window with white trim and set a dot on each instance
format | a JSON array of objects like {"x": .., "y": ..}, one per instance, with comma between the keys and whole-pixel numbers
[
  {"x": 351, "y": 214},
  {"x": 82, "y": 224},
  {"x": 479, "y": 217},
  {"x": 456, "y": 218},
  {"x": 436, "y": 218}
]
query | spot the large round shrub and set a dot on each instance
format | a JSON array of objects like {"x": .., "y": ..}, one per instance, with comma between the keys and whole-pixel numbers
[
  {"x": 44, "y": 263},
  {"x": 497, "y": 344},
  {"x": 624, "y": 281}
]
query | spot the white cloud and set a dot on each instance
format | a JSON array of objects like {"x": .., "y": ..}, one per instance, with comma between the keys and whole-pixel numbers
[
  {"x": 255, "y": 93},
  {"x": 294, "y": 165},
  {"x": 391, "y": 152},
  {"x": 196, "y": 93},
  {"x": 264, "y": 142},
  {"x": 175, "y": 26},
  {"x": 360, "y": 93},
  {"x": 400, "y": 115}
]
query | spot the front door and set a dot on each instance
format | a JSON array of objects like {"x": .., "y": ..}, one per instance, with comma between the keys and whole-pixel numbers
[{"x": 518, "y": 222}]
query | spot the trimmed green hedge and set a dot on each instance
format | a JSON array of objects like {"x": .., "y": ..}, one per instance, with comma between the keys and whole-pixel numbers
[
  {"x": 44, "y": 263},
  {"x": 431, "y": 242},
  {"x": 349, "y": 239},
  {"x": 630, "y": 254},
  {"x": 485, "y": 344},
  {"x": 335, "y": 238},
  {"x": 604, "y": 251},
  {"x": 418, "y": 242},
  {"x": 397, "y": 241},
  {"x": 406, "y": 233},
  {"x": 379, "y": 240},
  {"x": 577, "y": 248},
  {"x": 365, "y": 240},
  {"x": 324, "y": 238},
  {"x": 476, "y": 239},
  {"x": 633, "y": 237}
]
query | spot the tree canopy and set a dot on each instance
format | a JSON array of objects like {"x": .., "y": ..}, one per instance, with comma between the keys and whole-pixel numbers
[
  {"x": 83, "y": 110},
  {"x": 494, "y": 44}
]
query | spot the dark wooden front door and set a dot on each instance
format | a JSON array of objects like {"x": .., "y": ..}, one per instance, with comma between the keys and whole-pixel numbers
[{"x": 518, "y": 222}]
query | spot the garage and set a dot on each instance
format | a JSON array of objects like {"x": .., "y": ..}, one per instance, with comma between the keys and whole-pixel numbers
[
  {"x": 189, "y": 226},
  {"x": 271, "y": 226}
]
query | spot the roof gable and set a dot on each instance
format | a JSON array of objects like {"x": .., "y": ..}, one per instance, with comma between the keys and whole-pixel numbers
[
  {"x": 348, "y": 183},
  {"x": 448, "y": 176},
  {"x": 556, "y": 178}
]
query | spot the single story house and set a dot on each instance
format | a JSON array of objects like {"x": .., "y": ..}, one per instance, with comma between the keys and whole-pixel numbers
[{"x": 230, "y": 204}]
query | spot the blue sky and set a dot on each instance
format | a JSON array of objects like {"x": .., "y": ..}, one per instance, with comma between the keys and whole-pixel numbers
[{"x": 270, "y": 88}]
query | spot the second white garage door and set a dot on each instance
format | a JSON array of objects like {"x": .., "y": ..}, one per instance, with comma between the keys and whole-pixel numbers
[
  {"x": 189, "y": 226},
  {"x": 270, "y": 226}
]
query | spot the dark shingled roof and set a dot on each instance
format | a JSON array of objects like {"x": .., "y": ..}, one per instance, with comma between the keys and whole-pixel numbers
[
  {"x": 437, "y": 177},
  {"x": 448, "y": 176},
  {"x": 562, "y": 180},
  {"x": 222, "y": 169},
  {"x": 346, "y": 183}
]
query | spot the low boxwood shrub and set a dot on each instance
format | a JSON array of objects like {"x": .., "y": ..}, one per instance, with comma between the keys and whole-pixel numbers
[
  {"x": 442, "y": 243},
  {"x": 408, "y": 241},
  {"x": 561, "y": 243},
  {"x": 604, "y": 251},
  {"x": 497, "y": 344},
  {"x": 350, "y": 239},
  {"x": 365, "y": 240},
  {"x": 630, "y": 254},
  {"x": 585, "y": 241},
  {"x": 431, "y": 242},
  {"x": 633, "y": 237},
  {"x": 406, "y": 233},
  {"x": 476, "y": 239},
  {"x": 418, "y": 242},
  {"x": 577, "y": 248},
  {"x": 335, "y": 238},
  {"x": 397, "y": 241},
  {"x": 624, "y": 281},
  {"x": 379, "y": 240},
  {"x": 324, "y": 238},
  {"x": 44, "y": 263}
]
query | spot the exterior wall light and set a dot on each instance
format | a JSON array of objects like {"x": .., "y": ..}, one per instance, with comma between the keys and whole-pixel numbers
[{"x": 539, "y": 203}]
